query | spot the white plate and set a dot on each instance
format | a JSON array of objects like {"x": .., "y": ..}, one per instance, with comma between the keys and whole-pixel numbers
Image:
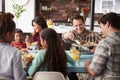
[{"x": 79, "y": 45}]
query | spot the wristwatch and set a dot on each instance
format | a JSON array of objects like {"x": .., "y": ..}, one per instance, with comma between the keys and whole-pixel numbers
[{"x": 20, "y": 2}]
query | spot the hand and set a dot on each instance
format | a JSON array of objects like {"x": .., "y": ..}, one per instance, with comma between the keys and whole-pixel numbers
[
  {"x": 92, "y": 48},
  {"x": 27, "y": 61},
  {"x": 69, "y": 35},
  {"x": 87, "y": 63}
]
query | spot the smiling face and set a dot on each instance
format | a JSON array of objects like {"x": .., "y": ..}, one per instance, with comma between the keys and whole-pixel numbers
[
  {"x": 18, "y": 37},
  {"x": 79, "y": 26},
  {"x": 37, "y": 27}
]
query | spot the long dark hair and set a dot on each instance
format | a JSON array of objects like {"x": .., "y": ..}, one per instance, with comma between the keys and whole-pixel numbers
[
  {"x": 6, "y": 25},
  {"x": 55, "y": 58}
]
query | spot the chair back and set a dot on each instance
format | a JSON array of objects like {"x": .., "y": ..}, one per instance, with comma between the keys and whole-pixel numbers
[
  {"x": 111, "y": 78},
  {"x": 48, "y": 76},
  {"x": 2, "y": 78}
]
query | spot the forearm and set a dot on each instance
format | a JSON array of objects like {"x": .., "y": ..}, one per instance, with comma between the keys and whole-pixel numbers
[
  {"x": 92, "y": 73},
  {"x": 87, "y": 64}
]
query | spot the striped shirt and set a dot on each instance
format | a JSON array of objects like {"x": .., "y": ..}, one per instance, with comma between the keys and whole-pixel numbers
[
  {"x": 87, "y": 36},
  {"x": 106, "y": 60}
]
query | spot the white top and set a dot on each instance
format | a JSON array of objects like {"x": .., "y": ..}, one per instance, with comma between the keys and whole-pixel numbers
[{"x": 11, "y": 63}]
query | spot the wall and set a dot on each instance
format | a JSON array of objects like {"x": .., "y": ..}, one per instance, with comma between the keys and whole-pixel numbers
[{"x": 24, "y": 21}]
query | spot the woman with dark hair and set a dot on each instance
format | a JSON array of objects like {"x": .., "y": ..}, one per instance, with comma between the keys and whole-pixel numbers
[
  {"x": 52, "y": 57},
  {"x": 39, "y": 24},
  {"x": 10, "y": 57}
]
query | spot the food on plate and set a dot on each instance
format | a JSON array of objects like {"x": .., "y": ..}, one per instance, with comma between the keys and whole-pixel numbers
[
  {"x": 26, "y": 55},
  {"x": 83, "y": 42},
  {"x": 24, "y": 50}
]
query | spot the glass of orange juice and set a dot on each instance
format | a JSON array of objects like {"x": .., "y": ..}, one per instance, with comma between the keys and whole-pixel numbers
[{"x": 75, "y": 55}]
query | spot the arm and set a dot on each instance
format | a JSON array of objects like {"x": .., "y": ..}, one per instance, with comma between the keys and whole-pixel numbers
[
  {"x": 92, "y": 73},
  {"x": 98, "y": 63},
  {"x": 36, "y": 62}
]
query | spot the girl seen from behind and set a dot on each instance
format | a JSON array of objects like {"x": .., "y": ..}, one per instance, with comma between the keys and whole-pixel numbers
[{"x": 52, "y": 57}]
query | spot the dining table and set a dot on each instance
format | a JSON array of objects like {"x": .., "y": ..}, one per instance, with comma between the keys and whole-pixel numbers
[{"x": 80, "y": 68}]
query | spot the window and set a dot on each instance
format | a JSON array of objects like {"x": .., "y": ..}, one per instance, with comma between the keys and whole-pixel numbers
[
  {"x": 2, "y": 5},
  {"x": 107, "y": 6}
]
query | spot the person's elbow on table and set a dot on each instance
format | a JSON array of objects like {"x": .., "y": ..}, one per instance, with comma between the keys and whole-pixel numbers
[{"x": 92, "y": 73}]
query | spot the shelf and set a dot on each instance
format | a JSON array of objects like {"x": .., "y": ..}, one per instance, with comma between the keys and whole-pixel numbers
[
  {"x": 55, "y": 10},
  {"x": 48, "y": 11}
]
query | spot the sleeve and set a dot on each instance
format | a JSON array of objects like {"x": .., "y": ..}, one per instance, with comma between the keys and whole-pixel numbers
[
  {"x": 35, "y": 63},
  {"x": 101, "y": 54},
  {"x": 24, "y": 45},
  {"x": 99, "y": 37},
  {"x": 18, "y": 71},
  {"x": 34, "y": 38}
]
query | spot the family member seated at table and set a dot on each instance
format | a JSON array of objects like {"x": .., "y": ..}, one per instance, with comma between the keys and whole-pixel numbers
[
  {"x": 80, "y": 33},
  {"x": 18, "y": 43},
  {"x": 52, "y": 57},
  {"x": 10, "y": 57},
  {"x": 106, "y": 59},
  {"x": 39, "y": 25}
]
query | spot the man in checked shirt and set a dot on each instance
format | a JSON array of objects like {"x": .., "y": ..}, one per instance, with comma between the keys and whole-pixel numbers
[
  {"x": 81, "y": 34},
  {"x": 106, "y": 59}
]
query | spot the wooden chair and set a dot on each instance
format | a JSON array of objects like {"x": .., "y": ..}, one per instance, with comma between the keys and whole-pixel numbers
[
  {"x": 111, "y": 78},
  {"x": 48, "y": 76}
]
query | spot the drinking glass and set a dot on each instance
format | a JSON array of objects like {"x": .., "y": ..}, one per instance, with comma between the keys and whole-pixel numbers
[{"x": 75, "y": 55}]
